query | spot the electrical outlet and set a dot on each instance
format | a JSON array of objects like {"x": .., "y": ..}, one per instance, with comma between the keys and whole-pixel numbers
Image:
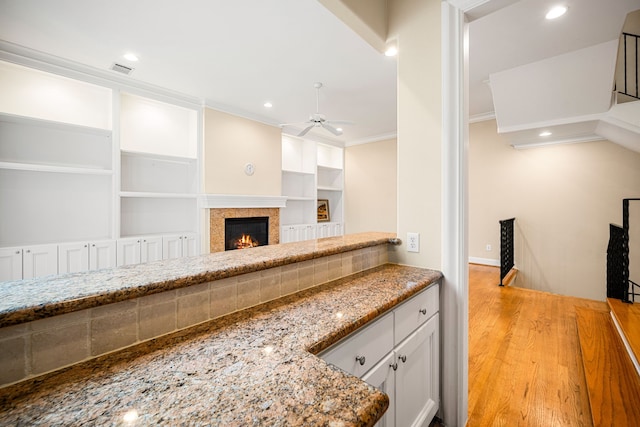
[
  {"x": 413, "y": 242},
  {"x": 488, "y": 248}
]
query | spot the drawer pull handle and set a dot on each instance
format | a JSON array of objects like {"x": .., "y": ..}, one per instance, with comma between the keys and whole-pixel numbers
[
  {"x": 423, "y": 311},
  {"x": 394, "y": 366},
  {"x": 403, "y": 358},
  {"x": 361, "y": 359}
]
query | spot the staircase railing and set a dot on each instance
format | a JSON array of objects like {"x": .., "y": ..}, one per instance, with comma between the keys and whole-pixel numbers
[
  {"x": 630, "y": 65},
  {"x": 506, "y": 247},
  {"x": 618, "y": 283}
]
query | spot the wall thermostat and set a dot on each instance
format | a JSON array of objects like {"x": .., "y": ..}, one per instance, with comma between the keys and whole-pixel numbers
[{"x": 249, "y": 169}]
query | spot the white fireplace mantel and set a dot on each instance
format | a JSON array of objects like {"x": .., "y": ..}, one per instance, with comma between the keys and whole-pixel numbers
[{"x": 222, "y": 201}]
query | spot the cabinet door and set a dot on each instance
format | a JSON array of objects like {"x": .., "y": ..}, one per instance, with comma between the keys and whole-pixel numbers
[
  {"x": 323, "y": 231},
  {"x": 38, "y": 261},
  {"x": 151, "y": 249},
  {"x": 172, "y": 246},
  {"x": 102, "y": 254},
  {"x": 417, "y": 376},
  {"x": 306, "y": 232},
  {"x": 73, "y": 257},
  {"x": 382, "y": 376},
  {"x": 128, "y": 252},
  {"x": 10, "y": 264},
  {"x": 190, "y": 245},
  {"x": 335, "y": 229}
]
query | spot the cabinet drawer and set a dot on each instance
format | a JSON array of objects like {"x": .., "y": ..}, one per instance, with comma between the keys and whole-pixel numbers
[
  {"x": 369, "y": 345},
  {"x": 414, "y": 312}
]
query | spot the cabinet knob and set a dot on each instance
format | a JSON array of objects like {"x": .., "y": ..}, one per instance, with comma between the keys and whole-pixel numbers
[
  {"x": 94, "y": 245},
  {"x": 17, "y": 252},
  {"x": 86, "y": 246},
  {"x": 361, "y": 359},
  {"x": 394, "y": 366},
  {"x": 403, "y": 358},
  {"x": 423, "y": 311},
  {"x": 28, "y": 251}
]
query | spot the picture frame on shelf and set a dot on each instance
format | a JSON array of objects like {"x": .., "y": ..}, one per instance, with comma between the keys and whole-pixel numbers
[{"x": 323, "y": 210}]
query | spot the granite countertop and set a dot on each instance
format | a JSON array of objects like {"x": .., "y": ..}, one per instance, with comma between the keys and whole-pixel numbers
[
  {"x": 253, "y": 367},
  {"x": 26, "y": 300}
]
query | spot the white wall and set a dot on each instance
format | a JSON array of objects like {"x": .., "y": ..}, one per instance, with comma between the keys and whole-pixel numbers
[
  {"x": 563, "y": 198},
  {"x": 415, "y": 25},
  {"x": 371, "y": 187}
]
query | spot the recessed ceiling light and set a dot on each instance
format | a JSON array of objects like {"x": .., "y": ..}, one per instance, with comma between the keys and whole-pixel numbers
[
  {"x": 268, "y": 105},
  {"x": 556, "y": 12},
  {"x": 131, "y": 57},
  {"x": 339, "y": 129},
  {"x": 391, "y": 51},
  {"x": 545, "y": 133}
]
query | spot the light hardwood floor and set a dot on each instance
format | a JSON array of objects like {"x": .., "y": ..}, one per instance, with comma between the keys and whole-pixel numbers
[{"x": 525, "y": 365}]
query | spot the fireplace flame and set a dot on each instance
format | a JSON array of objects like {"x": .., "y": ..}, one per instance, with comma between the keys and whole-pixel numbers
[{"x": 246, "y": 241}]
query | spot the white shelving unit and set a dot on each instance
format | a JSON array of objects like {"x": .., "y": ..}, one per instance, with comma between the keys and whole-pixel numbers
[
  {"x": 158, "y": 168},
  {"x": 86, "y": 170},
  {"x": 56, "y": 181},
  {"x": 311, "y": 171}
]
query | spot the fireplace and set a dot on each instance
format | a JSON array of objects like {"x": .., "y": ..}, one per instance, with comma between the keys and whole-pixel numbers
[{"x": 242, "y": 233}]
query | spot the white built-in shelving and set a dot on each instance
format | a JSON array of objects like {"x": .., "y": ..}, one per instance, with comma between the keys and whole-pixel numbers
[
  {"x": 310, "y": 171},
  {"x": 87, "y": 170}
]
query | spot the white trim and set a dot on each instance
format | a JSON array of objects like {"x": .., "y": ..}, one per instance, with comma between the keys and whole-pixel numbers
[
  {"x": 455, "y": 146},
  {"x": 550, "y": 123},
  {"x": 576, "y": 140},
  {"x": 377, "y": 138},
  {"x": 467, "y": 5},
  {"x": 491, "y": 115},
  {"x": 240, "y": 113},
  {"x": 485, "y": 261},
  {"x": 217, "y": 201},
  {"x": 626, "y": 343}
]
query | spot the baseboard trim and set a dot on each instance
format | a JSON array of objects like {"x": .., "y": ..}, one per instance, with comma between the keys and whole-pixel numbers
[{"x": 485, "y": 261}]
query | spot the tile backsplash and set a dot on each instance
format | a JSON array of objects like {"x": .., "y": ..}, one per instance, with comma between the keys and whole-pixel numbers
[{"x": 45, "y": 345}]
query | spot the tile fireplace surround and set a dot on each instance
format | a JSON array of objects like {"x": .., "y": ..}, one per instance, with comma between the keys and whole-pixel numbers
[{"x": 218, "y": 215}]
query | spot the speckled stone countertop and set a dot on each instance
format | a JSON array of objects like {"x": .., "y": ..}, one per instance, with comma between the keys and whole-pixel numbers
[
  {"x": 26, "y": 300},
  {"x": 254, "y": 367}
]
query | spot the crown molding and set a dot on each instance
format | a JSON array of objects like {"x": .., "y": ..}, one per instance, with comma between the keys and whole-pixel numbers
[
  {"x": 483, "y": 117},
  {"x": 20, "y": 55},
  {"x": 377, "y": 138}
]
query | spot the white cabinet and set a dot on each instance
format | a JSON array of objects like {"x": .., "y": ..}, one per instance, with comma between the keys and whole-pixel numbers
[
  {"x": 73, "y": 257},
  {"x": 179, "y": 245},
  {"x": 84, "y": 256},
  {"x": 417, "y": 376},
  {"x": 38, "y": 261},
  {"x": 102, "y": 255},
  {"x": 10, "y": 264},
  {"x": 128, "y": 252},
  {"x": 139, "y": 249},
  {"x": 399, "y": 354},
  {"x": 383, "y": 377}
]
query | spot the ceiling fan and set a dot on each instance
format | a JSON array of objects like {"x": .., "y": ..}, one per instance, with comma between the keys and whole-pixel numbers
[{"x": 319, "y": 120}]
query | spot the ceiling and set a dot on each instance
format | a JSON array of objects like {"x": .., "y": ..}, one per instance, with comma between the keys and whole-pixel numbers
[{"x": 237, "y": 55}]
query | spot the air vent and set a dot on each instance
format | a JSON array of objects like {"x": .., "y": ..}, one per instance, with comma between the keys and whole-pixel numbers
[{"x": 122, "y": 69}]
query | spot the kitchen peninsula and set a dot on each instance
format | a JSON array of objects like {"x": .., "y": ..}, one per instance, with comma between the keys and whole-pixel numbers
[{"x": 254, "y": 364}]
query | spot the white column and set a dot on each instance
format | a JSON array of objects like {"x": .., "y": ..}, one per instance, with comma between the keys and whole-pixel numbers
[{"x": 454, "y": 294}]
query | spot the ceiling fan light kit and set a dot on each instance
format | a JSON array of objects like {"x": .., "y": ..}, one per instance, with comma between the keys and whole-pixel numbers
[{"x": 319, "y": 120}]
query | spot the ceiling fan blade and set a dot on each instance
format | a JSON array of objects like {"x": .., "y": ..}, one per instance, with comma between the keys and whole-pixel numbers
[
  {"x": 340, "y": 122},
  {"x": 292, "y": 124},
  {"x": 331, "y": 129},
  {"x": 307, "y": 129}
]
